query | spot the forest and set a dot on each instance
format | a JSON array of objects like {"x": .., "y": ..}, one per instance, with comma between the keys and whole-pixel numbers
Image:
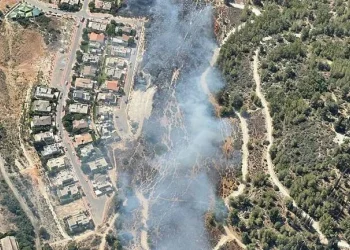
[{"x": 304, "y": 57}]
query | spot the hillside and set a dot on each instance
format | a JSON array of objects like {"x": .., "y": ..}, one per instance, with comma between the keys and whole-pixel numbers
[{"x": 301, "y": 52}]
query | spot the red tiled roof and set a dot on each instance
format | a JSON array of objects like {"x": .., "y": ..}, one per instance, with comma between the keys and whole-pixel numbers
[
  {"x": 125, "y": 38},
  {"x": 112, "y": 85},
  {"x": 96, "y": 37}
]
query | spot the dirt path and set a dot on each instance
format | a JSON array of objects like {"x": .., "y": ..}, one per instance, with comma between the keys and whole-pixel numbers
[
  {"x": 145, "y": 208},
  {"x": 269, "y": 129},
  {"x": 111, "y": 224},
  {"x": 245, "y": 155},
  {"x": 22, "y": 203},
  {"x": 229, "y": 236}
]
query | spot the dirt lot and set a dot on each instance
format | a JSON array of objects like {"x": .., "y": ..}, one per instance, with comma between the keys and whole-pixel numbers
[
  {"x": 70, "y": 208},
  {"x": 140, "y": 107},
  {"x": 5, "y": 3}
]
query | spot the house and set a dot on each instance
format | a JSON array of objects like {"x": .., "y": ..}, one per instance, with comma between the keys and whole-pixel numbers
[
  {"x": 57, "y": 164},
  {"x": 82, "y": 139},
  {"x": 112, "y": 73},
  {"x": 90, "y": 58},
  {"x": 101, "y": 188},
  {"x": 95, "y": 45},
  {"x": 118, "y": 40},
  {"x": 97, "y": 166},
  {"x": 89, "y": 70},
  {"x": 106, "y": 130},
  {"x": 51, "y": 150},
  {"x": 115, "y": 62},
  {"x": 86, "y": 151},
  {"x": 41, "y": 106},
  {"x": 63, "y": 178},
  {"x": 83, "y": 83},
  {"x": 39, "y": 121},
  {"x": 79, "y": 222},
  {"x": 67, "y": 194},
  {"x": 104, "y": 5},
  {"x": 118, "y": 74},
  {"x": 125, "y": 39},
  {"x": 79, "y": 108},
  {"x": 80, "y": 124},
  {"x": 127, "y": 30},
  {"x": 109, "y": 72},
  {"x": 97, "y": 26},
  {"x": 81, "y": 95},
  {"x": 24, "y": 10},
  {"x": 9, "y": 243},
  {"x": 44, "y": 93},
  {"x": 95, "y": 37},
  {"x": 112, "y": 86},
  {"x": 44, "y": 138},
  {"x": 120, "y": 51},
  {"x": 108, "y": 98},
  {"x": 104, "y": 112}
]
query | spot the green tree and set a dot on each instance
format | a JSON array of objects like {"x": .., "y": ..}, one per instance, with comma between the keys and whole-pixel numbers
[
  {"x": 92, "y": 5},
  {"x": 237, "y": 102}
]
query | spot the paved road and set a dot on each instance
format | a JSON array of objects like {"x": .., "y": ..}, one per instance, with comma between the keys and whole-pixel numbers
[
  {"x": 96, "y": 204},
  {"x": 22, "y": 203},
  {"x": 120, "y": 117}
]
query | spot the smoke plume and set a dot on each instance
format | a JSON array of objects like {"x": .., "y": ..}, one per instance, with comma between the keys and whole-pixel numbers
[{"x": 180, "y": 37}]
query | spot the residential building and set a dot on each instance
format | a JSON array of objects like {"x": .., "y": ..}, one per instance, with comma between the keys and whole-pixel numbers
[
  {"x": 120, "y": 51},
  {"x": 81, "y": 95},
  {"x": 44, "y": 138},
  {"x": 95, "y": 45},
  {"x": 118, "y": 74},
  {"x": 89, "y": 71},
  {"x": 108, "y": 98},
  {"x": 115, "y": 62},
  {"x": 104, "y": 5},
  {"x": 127, "y": 30},
  {"x": 39, "y": 121},
  {"x": 79, "y": 222},
  {"x": 57, "y": 164},
  {"x": 125, "y": 39},
  {"x": 9, "y": 243},
  {"x": 68, "y": 193},
  {"x": 95, "y": 37},
  {"x": 101, "y": 188},
  {"x": 90, "y": 58},
  {"x": 24, "y": 10},
  {"x": 83, "y": 83},
  {"x": 44, "y": 93},
  {"x": 97, "y": 26},
  {"x": 41, "y": 106},
  {"x": 118, "y": 40},
  {"x": 80, "y": 124},
  {"x": 104, "y": 112},
  {"x": 82, "y": 139},
  {"x": 98, "y": 165},
  {"x": 112, "y": 86},
  {"x": 79, "y": 108},
  {"x": 106, "y": 130},
  {"x": 113, "y": 73},
  {"x": 63, "y": 178},
  {"x": 86, "y": 151},
  {"x": 51, "y": 150}
]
